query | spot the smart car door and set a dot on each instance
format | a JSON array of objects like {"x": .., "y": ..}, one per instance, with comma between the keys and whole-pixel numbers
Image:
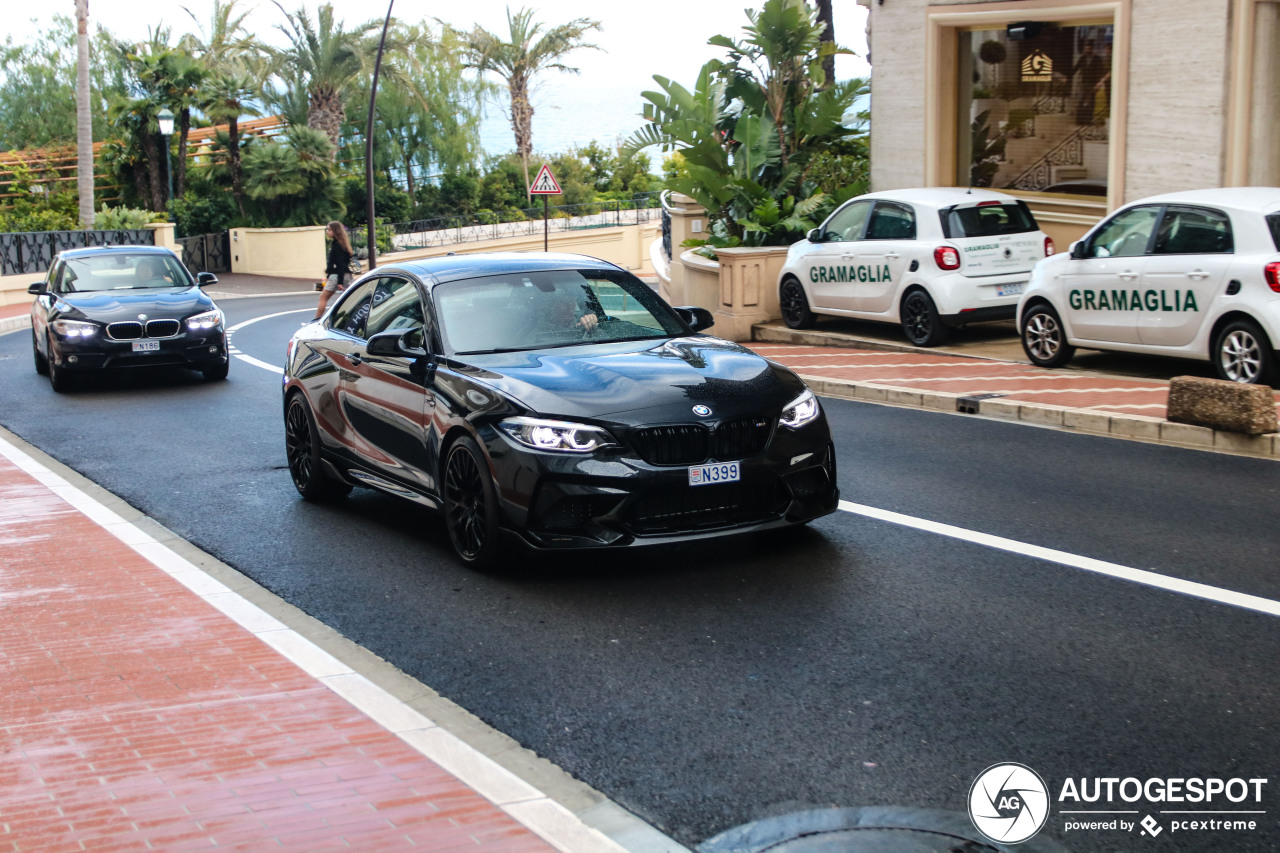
[
  {"x": 1101, "y": 283},
  {"x": 1194, "y": 248},
  {"x": 880, "y": 258},
  {"x": 384, "y": 398},
  {"x": 827, "y": 276}
]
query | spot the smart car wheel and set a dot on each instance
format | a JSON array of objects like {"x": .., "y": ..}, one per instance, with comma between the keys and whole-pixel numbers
[
  {"x": 42, "y": 363},
  {"x": 1242, "y": 353},
  {"x": 920, "y": 320},
  {"x": 1043, "y": 338},
  {"x": 795, "y": 305},
  {"x": 302, "y": 447},
  {"x": 470, "y": 505}
]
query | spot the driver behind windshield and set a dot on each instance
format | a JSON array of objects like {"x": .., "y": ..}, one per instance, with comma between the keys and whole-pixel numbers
[
  {"x": 150, "y": 272},
  {"x": 561, "y": 311}
]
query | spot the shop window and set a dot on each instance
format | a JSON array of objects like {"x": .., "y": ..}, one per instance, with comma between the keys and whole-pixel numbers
[{"x": 1037, "y": 100}]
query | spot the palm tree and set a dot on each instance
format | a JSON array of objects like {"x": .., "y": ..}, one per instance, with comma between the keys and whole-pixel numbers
[
  {"x": 522, "y": 56},
  {"x": 84, "y": 117},
  {"x": 224, "y": 99},
  {"x": 330, "y": 58}
]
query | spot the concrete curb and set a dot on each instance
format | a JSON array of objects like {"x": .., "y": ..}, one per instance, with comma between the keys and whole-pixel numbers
[
  {"x": 13, "y": 324},
  {"x": 1134, "y": 427}
]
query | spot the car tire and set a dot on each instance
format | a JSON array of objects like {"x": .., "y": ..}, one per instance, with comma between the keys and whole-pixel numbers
[
  {"x": 42, "y": 363},
  {"x": 795, "y": 305},
  {"x": 921, "y": 321},
  {"x": 471, "y": 505},
  {"x": 1242, "y": 353},
  {"x": 58, "y": 378},
  {"x": 302, "y": 448},
  {"x": 218, "y": 372},
  {"x": 1043, "y": 338}
]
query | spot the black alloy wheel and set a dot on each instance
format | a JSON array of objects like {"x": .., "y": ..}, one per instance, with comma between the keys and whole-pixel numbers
[
  {"x": 302, "y": 448},
  {"x": 58, "y": 378},
  {"x": 42, "y": 363},
  {"x": 921, "y": 321},
  {"x": 795, "y": 305},
  {"x": 470, "y": 505},
  {"x": 218, "y": 372},
  {"x": 1043, "y": 338},
  {"x": 1242, "y": 353}
]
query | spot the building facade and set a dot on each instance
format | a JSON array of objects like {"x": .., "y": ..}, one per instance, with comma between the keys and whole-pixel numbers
[{"x": 1077, "y": 106}]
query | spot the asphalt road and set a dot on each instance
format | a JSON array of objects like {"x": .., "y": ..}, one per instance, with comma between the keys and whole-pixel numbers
[{"x": 857, "y": 662}]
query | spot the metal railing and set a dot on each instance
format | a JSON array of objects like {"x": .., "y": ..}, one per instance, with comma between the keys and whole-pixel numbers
[
  {"x": 494, "y": 225},
  {"x": 34, "y": 251}
]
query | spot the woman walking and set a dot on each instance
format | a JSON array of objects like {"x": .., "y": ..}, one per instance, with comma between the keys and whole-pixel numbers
[{"x": 336, "y": 268}]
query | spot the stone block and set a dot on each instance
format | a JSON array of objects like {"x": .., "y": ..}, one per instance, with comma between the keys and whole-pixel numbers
[{"x": 1222, "y": 405}]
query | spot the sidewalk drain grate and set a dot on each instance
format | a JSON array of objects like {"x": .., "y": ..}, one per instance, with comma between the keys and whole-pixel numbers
[
  {"x": 968, "y": 405},
  {"x": 881, "y": 829}
]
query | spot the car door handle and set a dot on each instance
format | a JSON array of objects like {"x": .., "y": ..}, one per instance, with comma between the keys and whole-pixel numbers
[
  {"x": 1127, "y": 275},
  {"x": 893, "y": 256},
  {"x": 1197, "y": 274}
]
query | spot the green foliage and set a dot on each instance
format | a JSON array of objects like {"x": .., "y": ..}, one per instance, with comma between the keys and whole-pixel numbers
[
  {"x": 754, "y": 134},
  {"x": 294, "y": 182},
  {"x": 121, "y": 218},
  {"x": 391, "y": 204},
  {"x": 208, "y": 211},
  {"x": 382, "y": 234}
]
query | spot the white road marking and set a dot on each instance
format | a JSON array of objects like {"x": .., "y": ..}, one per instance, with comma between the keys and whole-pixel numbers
[
  {"x": 1088, "y": 564},
  {"x": 248, "y": 359}
]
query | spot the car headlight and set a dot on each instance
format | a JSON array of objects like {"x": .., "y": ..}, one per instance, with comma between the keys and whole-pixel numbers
[
  {"x": 556, "y": 435},
  {"x": 74, "y": 329},
  {"x": 800, "y": 411},
  {"x": 204, "y": 322}
]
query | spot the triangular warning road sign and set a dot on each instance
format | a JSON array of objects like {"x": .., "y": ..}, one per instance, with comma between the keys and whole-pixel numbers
[{"x": 545, "y": 183}]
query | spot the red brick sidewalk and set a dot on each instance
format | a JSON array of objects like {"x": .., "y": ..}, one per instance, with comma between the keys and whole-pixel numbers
[
  {"x": 1021, "y": 383},
  {"x": 134, "y": 715}
]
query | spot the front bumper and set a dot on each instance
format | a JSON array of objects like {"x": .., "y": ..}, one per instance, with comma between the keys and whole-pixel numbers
[
  {"x": 198, "y": 351},
  {"x": 563, "y": 501}
]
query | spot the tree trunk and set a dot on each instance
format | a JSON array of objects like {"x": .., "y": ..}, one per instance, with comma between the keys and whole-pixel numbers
[
  {"x": 326, "y": 113},
  {"x": 828, "y": 37},
  {"x": 522, "y": 125},
  {"x": 180, "y": 171},
  {"x": 84, "y": 117},
  {"x": 233, "y": 161},
  {"x": 151, "y": 148},
  {"x": 408, "y": 175}
]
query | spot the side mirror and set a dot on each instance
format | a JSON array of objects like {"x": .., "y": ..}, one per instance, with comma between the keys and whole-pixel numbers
[
  {"x": 696, "y": 318},
  {"x": 1077, "y": 249},
  {"x": 815, "y": 236},
  {"x": 206, "y": 278},
  {"x": 38, "y": 288},
  {"x": 394, "y": 344}
]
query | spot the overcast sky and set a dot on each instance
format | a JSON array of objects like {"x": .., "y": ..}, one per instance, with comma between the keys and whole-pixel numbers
[{"x": 639, "y": 39}]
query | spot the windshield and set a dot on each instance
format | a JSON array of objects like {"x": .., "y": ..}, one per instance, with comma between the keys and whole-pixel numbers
[
  {"x": 987, "y": 219},
  {"x": 552, "y": 308},
  {"x": 122, "y": 271}
]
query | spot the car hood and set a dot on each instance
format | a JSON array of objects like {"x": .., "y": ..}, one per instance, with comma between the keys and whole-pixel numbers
[
  {"x": 108, "y": 306},
  {"x": 642, "y": 382}
]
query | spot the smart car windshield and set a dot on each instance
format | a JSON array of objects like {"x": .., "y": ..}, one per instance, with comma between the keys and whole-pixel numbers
[
  {"x": 550, "y": 308},
  {"x": 122, "y": 271}
]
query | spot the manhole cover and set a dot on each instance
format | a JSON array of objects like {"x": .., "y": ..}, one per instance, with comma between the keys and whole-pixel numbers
[{"x": 867, "y": 830}]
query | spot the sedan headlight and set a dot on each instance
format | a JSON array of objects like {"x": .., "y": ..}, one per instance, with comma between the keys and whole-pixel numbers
[
  {"x": 74, "y": 329},
  {"x": 204, "y": 322},
  {"x": 560, "y": 436},
  {"x": 800, "y": 411}
]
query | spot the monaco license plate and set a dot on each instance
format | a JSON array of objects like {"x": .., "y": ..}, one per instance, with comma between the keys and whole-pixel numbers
[
  {"x": 1009, "y": 289},
  {"x": 721, "y": 472},
  {"x": 146, "y": 346}
]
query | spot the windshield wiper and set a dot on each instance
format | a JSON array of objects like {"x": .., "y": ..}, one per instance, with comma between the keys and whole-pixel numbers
[{"x": 495, "y": 351}]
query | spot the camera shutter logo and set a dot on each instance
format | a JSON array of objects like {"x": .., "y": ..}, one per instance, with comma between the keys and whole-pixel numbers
[{"x": 1008, "y": 803}]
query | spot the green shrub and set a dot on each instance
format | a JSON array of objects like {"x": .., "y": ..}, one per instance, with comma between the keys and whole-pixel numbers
[{"x": 123, "y": 218}]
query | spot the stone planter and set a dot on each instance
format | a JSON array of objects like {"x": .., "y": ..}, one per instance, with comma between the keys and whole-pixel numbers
[{"x": 748, "y": 289}]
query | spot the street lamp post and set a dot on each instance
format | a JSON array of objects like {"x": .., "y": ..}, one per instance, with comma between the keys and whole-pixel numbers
[{"x": 165, "y": 119}]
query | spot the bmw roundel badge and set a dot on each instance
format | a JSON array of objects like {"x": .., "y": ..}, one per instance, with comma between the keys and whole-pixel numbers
[{"x": 701, "y": 410}]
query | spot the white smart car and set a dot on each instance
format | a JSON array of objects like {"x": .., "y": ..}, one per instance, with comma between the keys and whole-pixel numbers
[
  {"x": 1189, "y": 274},
  {"x": 930, "y": 259}
]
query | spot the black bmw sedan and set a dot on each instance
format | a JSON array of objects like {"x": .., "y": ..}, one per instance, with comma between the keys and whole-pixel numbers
[
  {"x": 554, "y": 399},
  {"x": 113, "y": 307}
]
